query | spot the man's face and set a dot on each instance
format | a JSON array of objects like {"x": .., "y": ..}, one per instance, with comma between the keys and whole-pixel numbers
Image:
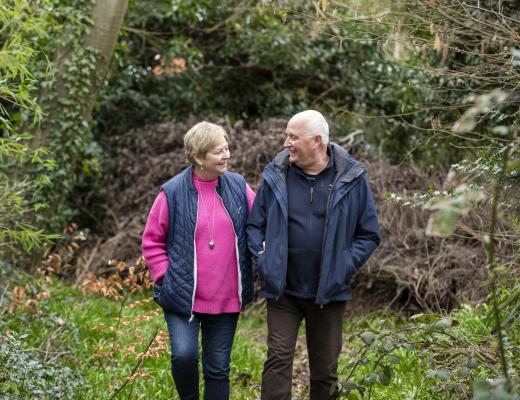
[{"x": 300, "y": 144}]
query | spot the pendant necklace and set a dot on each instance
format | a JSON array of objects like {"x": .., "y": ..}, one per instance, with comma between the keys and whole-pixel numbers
[{"x": 210, "y": 229}]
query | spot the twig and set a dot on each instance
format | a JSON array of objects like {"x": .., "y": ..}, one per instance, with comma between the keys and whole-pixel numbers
[{"x": 139, "y": 361}]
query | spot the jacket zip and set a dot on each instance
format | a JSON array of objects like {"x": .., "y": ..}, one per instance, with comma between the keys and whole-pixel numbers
[
  {"x": 329, "y": 196},
  {"x": 194, "y": 262},
  {"x": 236, "y": 252},
  {"x": 312, "y": 190}
]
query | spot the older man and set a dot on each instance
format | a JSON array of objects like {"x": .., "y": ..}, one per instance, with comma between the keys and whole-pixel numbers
[{"x": 313, "y": 224}]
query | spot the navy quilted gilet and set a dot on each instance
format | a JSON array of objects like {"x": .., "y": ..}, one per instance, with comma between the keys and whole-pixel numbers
[{"x": 178, "y": 287}]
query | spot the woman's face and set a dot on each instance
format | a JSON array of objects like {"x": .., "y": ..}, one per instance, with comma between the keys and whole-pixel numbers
[{"x": 216, "y": 159}]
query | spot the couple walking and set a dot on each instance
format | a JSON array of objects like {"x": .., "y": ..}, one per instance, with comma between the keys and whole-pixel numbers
[{"x": 312, "y": 224}]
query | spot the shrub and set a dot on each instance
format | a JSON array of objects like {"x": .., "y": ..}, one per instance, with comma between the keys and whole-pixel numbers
[{"x": 25, "y": 375}]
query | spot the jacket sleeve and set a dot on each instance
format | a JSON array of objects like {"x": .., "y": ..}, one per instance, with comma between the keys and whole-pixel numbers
[
  {"x": 367, "y": 236},
  {"x": 153, "y": 244},
  {"x": 256, "y": 223}
]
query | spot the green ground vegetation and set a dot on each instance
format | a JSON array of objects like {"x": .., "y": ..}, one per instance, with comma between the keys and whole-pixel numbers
[{"x": 62, "y": 342}]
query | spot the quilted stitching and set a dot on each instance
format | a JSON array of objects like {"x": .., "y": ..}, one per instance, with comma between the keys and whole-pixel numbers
[{"x": 176, "y": 294}]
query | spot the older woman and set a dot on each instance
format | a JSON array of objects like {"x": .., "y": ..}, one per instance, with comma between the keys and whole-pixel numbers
[{"x": 195, "y": 247}]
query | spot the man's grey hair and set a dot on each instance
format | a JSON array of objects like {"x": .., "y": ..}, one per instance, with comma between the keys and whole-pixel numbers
[{"x": 316, "y": 123}]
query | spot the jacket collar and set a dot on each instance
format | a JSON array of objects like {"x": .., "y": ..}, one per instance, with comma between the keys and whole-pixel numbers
[
  {"x": 188, "y": 175},
  {"x": 347, "y": 169}
]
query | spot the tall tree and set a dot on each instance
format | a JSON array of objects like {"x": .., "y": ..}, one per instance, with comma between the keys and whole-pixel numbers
[
  {"x": 97, "y": 39},
  {"x": 82, "y": 44}
]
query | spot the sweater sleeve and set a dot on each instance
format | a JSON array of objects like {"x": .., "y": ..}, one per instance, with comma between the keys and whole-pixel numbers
[
  {"x": 250, "y": 196},
  {"x": 154, "y": 238}
]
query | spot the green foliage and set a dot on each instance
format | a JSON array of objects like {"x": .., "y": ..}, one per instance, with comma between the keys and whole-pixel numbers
[
  {"x": 497, "y": 391},
  {"x": 23, "y": 170},
  {"x": 372, "y": 67},
  {"x": 19, "y": 26},
  {"x": 18, "y": 201},
  {"x": 24, "y": 375},
  {"x": 447, "y": 210},
  {"x": 424, "y": 357},
  {"x": 242, "y": 60},
  {"x": 428, "y": 356},
  {"x": 492, "y": 176},
  {"x": 66, "y": 128},
  {"x": 46, "y": 99},
  {"x": 427, "y": 58}
]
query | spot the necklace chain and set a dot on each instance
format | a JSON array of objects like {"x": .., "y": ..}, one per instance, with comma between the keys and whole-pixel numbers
[{"x": 211, "y": 229}]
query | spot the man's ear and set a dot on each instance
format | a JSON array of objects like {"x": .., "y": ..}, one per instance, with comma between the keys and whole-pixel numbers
[{"x": 318, "y": 140}]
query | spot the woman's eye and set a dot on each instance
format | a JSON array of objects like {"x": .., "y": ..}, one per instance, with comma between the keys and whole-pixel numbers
[{"x": 218, "y": 153}]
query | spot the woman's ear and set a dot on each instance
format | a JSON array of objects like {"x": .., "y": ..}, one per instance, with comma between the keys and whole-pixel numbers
[{"x": 199, "y": 160}]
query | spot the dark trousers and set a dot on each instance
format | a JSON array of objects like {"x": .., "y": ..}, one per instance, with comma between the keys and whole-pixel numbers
[
  {"x": 323, "y": 332},
  {"x": 218, "y": 332}
]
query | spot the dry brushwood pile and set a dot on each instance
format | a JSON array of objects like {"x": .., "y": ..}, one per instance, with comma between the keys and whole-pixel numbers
[{"x": 409, "y": 270}]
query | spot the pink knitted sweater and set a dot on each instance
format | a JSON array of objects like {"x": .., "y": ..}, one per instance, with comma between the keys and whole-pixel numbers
[{"x": 217, "y": 270}]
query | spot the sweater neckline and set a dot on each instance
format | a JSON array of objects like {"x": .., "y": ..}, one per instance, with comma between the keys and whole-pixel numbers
[{"x": 198, "y": 179}]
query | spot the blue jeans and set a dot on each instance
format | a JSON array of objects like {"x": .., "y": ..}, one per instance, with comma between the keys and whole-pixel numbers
[{"x": 218, "y": 332}]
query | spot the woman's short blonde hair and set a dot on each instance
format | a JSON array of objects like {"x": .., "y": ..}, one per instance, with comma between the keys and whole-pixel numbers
[{"x": 201, "y": 138}]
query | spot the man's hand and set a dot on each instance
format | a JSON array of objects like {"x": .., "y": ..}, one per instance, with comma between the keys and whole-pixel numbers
[{"x": 263, "y": 248}]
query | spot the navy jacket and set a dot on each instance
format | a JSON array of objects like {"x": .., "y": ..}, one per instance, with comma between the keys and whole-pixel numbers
[
  {"x": 177, "y": 291},
  {"x": 350, "y": 236}
]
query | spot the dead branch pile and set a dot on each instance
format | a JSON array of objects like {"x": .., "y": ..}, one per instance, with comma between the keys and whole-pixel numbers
[{"x": 409, "y": 270}]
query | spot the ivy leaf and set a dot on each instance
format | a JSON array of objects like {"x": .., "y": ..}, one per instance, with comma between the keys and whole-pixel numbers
[
  {"x": 362, "y": 361},
  {"x": 384, "y": 380},
  {"x": 388, "y": 372},
  {"x": 463, "y": 372},
  {"x": 393, "y": 360},
  {"x": 368, "y": 337},
  {"x": 442, "y": 374},
  {"x": 473, "y": 363},
  {"x": 349, "y": 386},
  {"x": 371, "y": 377}
]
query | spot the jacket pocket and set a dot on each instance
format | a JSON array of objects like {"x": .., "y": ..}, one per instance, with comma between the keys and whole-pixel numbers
[
  {"x": 349, "y": 264},
  {"x": 267, "y": 273}
]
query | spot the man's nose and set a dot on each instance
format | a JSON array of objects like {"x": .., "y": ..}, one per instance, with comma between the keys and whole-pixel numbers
[{"x": 286, "y": 142}]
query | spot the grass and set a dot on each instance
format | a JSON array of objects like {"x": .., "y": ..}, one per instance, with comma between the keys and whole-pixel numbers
[{"x": 104, "y": 342}]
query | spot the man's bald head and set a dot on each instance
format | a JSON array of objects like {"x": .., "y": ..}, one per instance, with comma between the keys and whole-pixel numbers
[{"x": 315, "y": 123}]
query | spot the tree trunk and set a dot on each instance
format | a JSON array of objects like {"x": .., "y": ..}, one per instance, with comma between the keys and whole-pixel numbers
[{"x": 107, "y": 16}]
